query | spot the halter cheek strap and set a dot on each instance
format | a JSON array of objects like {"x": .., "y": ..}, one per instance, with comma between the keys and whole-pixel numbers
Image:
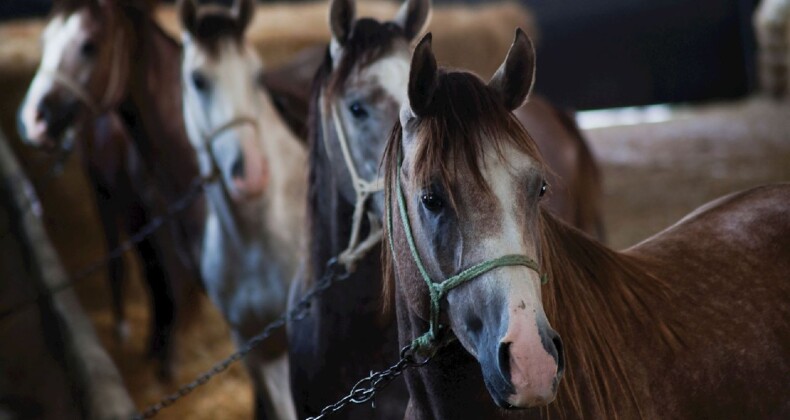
[
  {"x": 427, "y": 344},
  {"x": 364, "y": 189}
]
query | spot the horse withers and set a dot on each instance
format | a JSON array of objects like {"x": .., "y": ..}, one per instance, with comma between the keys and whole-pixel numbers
[
  {"x": 254, "y": 229},
  {"x": 689, "y": 323}
]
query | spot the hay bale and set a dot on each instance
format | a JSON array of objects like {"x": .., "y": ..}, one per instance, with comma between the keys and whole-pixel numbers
[
  {"x": 470, "y": 37},
  {"x": 773, "y": 37},
  {"x": 473, "y": 37}
]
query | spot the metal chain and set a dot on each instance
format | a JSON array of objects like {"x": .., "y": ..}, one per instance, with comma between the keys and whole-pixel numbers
[
  {"x": 366, "y": 389},
  {"x": 298, "y": 312},
  {"x": 150, "y": 228}
]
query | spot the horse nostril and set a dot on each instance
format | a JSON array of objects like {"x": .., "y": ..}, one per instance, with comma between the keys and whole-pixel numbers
[
  {"x": 557, "y": 341},
  {"x": 503, "y": 358},
  {"x": 43, "y": 111},
  {"x": 237, "y": 170}
]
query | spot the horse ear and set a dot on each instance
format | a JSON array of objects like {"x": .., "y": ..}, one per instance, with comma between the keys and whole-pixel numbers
[
  {"x": 341, "y": 17},
  {"x": 187, "y": 14},
  {"x": 413, "y": 17},
  {"x": 423, "y": 77},
  {"x": 243, "y": 11},
  {"x": 515, "y": 77}
]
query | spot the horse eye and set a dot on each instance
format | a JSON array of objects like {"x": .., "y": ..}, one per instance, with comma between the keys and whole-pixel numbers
[
  {"x": 199, "y": 81},
  {"x": 432, "y": 202},
  {"x": 358, "y": 111},
  {"x": 543, "y": 189},
  {"x": 88, "y": 49}
]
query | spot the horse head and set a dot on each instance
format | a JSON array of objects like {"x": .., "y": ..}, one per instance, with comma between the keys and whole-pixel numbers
[
  {"x": 83, "y": 71},
  {"x": 222, "y": 79},
  {"x": 465, "y": 183},
  {"x": 363, "y": 87}
]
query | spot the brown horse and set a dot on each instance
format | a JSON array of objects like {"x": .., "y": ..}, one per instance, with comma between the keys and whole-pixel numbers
[
  {"x": 99, "y": 56},
  {"x": 691, "y": 323}
]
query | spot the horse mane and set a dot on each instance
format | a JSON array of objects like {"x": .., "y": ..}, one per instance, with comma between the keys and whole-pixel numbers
[
  {"x": 591, "y": 288},
  {"x": 216, "y": 26},
  {"x": 368, "y": 41}
]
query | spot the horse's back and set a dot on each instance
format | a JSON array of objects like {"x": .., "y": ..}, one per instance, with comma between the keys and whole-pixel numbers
[{"x": 727, "y": 269}]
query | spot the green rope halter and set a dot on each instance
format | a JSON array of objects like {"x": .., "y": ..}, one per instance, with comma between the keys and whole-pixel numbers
[{"x": 427, "y": 344}]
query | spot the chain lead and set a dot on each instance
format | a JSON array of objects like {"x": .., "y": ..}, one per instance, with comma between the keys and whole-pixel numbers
[
  {"x": 300, "y": 310},
  {"x": 366, "y": 389}
]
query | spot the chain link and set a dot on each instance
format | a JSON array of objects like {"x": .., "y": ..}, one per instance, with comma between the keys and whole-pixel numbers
[
  {"x": 149, "y": 229},
  {"x": 366, "y": 389},
  {"x": 298, "y": 312}
]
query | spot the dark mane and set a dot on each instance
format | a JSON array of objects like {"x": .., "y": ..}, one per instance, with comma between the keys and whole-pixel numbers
[
  {"x": 212, "y": 28},
  {"x": 588, "y": 281},
  {"x": 369, "y": 41},
  {"x": 67, "y": 7}
]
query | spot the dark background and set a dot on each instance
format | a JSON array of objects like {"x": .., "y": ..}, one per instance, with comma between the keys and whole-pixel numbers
[{"x": 610, "y": 53}]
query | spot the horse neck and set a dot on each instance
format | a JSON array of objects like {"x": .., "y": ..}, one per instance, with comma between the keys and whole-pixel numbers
[
  {"x": 329, "y": 213},
  {"x": 602, "y": 302},
  {"x": 154, "y": 93}
]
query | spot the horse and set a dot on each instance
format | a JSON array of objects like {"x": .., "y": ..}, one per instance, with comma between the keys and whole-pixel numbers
[
  {"x": 357, "y": 92},
  {"x": 690, "y": 323},
  {"x": 355, "y": 97},
  {"x": 87, "y": 73},
  {"x": 254, "y": 229}
]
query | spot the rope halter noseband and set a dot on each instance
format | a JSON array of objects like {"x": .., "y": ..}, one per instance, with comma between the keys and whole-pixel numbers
[
  {"x": 364, "y": 189},
  {"x": 225, "y": 212},
  {"x": 427, "y": 344}
]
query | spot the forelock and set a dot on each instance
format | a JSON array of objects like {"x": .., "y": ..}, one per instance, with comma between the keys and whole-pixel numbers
[
  {"x": 369, "y": 41},
  {"x": 464, "y": 121}
]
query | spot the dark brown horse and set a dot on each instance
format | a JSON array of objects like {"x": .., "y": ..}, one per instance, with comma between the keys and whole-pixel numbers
[
  {"x": 691, "y": 323},
  {"x": 361, "y": 82},
  {"x": 102, "y": 55}
]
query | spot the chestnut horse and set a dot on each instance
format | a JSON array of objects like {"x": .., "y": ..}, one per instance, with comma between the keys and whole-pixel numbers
[
  {"x": 255, "y": 225},
  {"x": 96, "y": 58},
  {"x": 691, "y": 323}
]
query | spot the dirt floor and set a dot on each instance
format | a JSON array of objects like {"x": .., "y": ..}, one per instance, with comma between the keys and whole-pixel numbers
[{"x": 654, "y": 174}]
